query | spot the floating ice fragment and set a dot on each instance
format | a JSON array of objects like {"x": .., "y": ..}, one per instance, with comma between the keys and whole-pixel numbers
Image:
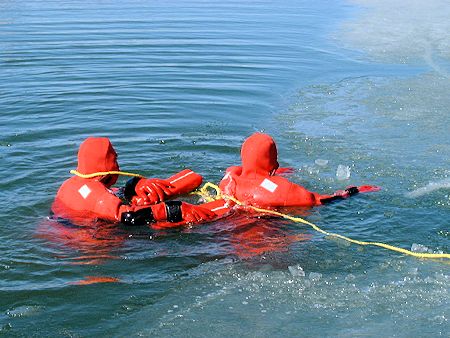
[
  {"x": 321, "y": 162},
  {"x": 413, "y": 271},
  {"x": 339, "y": 241},
  {"x": 23, "y": 311},
  {"x": 440, "y": 277},
  {"x": 440, "y": 319},
  {"x": 314, "y": 276},
  {"x": 428, "y": 280},
  {"x": 350, "y": 278},
  {"x": 419, "y": 248},
  {"x": 343, "y": 172},
  {"x": 311, "y": 170},
  {"x": 296, "y": 271}
]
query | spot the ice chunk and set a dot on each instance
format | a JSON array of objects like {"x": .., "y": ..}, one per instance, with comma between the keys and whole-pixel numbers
[
  {"x": 343, "y": 172},
  {"x": 350, "y": 277},
  {"x": 440, "y": 319},
  {"x": 321, "y": 162},
  {"x": 312, "y": 171},
  {"x": 23, "y": 311},
  {"x": 314, "y": 276},
  {"x": 413, "y": 271},
  {"x": 296, "y": 271},
  {"x": 419, "y": 248}
]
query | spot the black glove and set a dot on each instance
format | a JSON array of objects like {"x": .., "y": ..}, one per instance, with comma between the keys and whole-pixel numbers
[
  {"x": 352, "y": 191},
  {"x": 142, "y": 216}
]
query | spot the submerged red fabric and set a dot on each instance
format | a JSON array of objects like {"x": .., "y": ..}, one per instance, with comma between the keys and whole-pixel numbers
[{"x": 256, "y": 182}]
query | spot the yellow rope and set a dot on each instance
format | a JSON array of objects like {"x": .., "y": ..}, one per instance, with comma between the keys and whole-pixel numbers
[
  {"x": 205, "y": 194},
  {"x": 104, "y": 173}
]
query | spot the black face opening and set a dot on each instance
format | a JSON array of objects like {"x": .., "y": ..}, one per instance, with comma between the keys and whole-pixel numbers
[{"x": 109, "y": 180}]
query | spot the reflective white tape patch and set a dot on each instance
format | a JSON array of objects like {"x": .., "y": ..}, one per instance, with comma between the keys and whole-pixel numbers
[
  {"x": 219, "y": 208},
  {"x": 181, "y": 177},
  {"x": 269, "y": 185},
  {"x": 84, "y": 191}
]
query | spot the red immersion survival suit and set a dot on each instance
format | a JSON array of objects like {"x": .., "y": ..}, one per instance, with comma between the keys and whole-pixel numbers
[
  {"x": 82, "y": 199},
  {"x": 256, "y": 182}
]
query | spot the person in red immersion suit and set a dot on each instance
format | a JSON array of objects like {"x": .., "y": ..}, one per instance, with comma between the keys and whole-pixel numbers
[
  {"x": 258, "y": 183},
  {"x": 81, "y": 199}
]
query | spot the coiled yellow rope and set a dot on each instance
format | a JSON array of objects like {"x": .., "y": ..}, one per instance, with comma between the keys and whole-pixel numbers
[
  {"x": 104, "y": 173},
  {"x": 205, "y": 194}
]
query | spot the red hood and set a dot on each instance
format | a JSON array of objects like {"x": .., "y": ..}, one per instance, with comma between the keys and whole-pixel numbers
[
  {"x": 96, "y": 154},
  {"x": 259, "y": 155}
]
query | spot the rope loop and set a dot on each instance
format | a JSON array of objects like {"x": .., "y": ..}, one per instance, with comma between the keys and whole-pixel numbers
[{"x": 104, "y": 173}]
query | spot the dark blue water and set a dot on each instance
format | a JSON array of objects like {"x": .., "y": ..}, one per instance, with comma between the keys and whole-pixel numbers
[{"x": 178, "y": 84}]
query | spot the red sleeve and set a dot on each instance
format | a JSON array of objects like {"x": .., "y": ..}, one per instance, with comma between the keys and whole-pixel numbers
[
  {"x": 300, "y": 196},
  {"x": 183, "y": 182},
  {"x": 107, "y": 205}
]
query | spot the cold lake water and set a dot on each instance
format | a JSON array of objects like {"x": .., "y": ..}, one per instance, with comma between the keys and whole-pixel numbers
[{"x": 362, "y": 86}]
